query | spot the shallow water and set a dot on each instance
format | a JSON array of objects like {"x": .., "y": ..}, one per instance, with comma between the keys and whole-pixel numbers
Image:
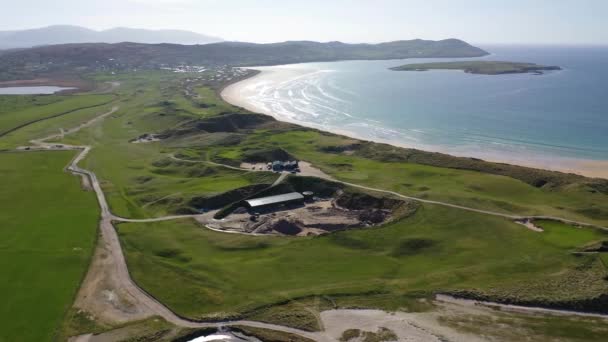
[
  {"x": 559, "y": 114},
  {"x": 37, "y": 90}
]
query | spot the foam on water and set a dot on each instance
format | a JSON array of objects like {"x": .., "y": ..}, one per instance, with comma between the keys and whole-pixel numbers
[{"x": 559, "y": 114}]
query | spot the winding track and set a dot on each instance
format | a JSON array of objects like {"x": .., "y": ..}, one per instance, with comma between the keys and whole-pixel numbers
[{"x": 109, "y": 235}]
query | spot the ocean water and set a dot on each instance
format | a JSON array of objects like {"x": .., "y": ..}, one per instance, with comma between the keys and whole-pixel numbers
[{"x": 521, "y": 116}]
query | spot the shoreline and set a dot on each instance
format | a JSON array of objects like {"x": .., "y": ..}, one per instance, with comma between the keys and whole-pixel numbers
[{"x": 232, "y": 93}]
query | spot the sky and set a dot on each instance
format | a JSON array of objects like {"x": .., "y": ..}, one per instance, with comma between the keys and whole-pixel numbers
[{"x": 476, "y": 21}]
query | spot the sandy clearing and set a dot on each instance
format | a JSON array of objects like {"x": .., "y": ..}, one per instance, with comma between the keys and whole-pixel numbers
[
  {"x": 312, "y": 218},
  {"x": 530, "y": 225},
  {"x": 306, "y": 169},
  {"x": 102, "y": 294},
  {"x": 420, "y": 327}
]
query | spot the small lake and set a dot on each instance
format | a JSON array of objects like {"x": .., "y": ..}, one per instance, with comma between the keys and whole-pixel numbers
[{"x": 37, "y": 90}]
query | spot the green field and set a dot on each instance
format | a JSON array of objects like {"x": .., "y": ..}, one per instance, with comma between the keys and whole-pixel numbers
[
  {"x": 47, "y": 234},
  {"x": 438, "y": 249},
  {"x": 18, "y": 113}
]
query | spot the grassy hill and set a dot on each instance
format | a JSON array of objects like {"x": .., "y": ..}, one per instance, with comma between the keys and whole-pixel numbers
[
  {"x": 127, "y": 56},
  {"x": 65, "y": 34},
  {"x": 479, "y": 67}
]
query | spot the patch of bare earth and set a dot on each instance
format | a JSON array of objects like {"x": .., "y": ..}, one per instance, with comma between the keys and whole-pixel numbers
[
  {"x": 101, "y": 295},
  {"x": 423, "y": 327},
  {"x": 306, "y": 169},
  {"x": 145, "y": 138},
  {"x": 313, "y": 218},
  {"x": 528, "y": 223}
]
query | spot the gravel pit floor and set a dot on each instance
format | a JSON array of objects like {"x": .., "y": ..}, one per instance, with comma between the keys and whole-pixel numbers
[{"x": 315, "y": 218}]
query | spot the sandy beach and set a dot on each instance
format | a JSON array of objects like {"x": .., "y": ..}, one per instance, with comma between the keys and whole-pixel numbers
[{"x": 243, "y": 94}]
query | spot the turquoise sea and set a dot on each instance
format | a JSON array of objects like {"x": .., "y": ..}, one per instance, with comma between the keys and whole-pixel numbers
[{"x": 558, "y": 114}]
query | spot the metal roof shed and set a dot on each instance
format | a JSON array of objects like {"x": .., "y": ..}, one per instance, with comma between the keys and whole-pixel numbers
[{"x": 272, "y": 200}]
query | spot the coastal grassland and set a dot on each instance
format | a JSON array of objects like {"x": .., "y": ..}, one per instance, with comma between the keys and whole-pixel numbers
[
  {"x": 437, "y": 249},
  {"x": 141, "y": 180},
  {"x": 51, "y": 126},
  {"x": 604, "y": 259},
  {"x": 11, "y": 103},
  {"x": 197, "y": 123},
  {"x": 484, "y": 190},
  {"x": 47, "y": 235},
  {"x": 479, "y": 67},
  {"x": 24, "y": 113}
]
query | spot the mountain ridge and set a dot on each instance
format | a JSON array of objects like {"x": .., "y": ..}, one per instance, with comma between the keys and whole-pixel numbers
[
  {"x": 70, "y": 34},
  {"x": 129, "y": 56}
]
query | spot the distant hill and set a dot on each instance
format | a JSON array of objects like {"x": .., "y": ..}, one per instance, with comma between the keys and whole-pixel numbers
[
  {"x": 65, "y": 34},
  {"x": 126, "y": 56},
  {"x": 480, "y": 67}
]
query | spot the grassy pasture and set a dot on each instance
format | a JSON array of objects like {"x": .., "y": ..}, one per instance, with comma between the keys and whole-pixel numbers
[
  {"x": 11, "y": 103},
  {"x": 47, "y": 234},
  {"x": 65, "y": 104}
]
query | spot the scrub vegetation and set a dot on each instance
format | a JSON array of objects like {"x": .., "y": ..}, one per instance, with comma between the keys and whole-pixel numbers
[{"x": 436, "y": 250}]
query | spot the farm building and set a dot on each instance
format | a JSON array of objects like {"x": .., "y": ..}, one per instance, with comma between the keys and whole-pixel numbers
[
  {"x": 271, "y": 201},
  {"x": 288, "y": 165}
]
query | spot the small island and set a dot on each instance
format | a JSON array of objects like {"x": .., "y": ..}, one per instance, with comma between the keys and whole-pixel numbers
[{"x": 480, "y": 67}]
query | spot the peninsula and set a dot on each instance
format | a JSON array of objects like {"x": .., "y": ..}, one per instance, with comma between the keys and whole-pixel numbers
[{"x": 480, "y": 67}]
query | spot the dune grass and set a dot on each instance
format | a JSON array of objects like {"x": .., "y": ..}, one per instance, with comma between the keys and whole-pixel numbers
[
  {"x": 468, "y": 188},
  {"x": 228, "y": 275},
  {"x": 47, "y": 234},
  {"x": 509, "y": 326},
  {"x": 134, "y": 177}
]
